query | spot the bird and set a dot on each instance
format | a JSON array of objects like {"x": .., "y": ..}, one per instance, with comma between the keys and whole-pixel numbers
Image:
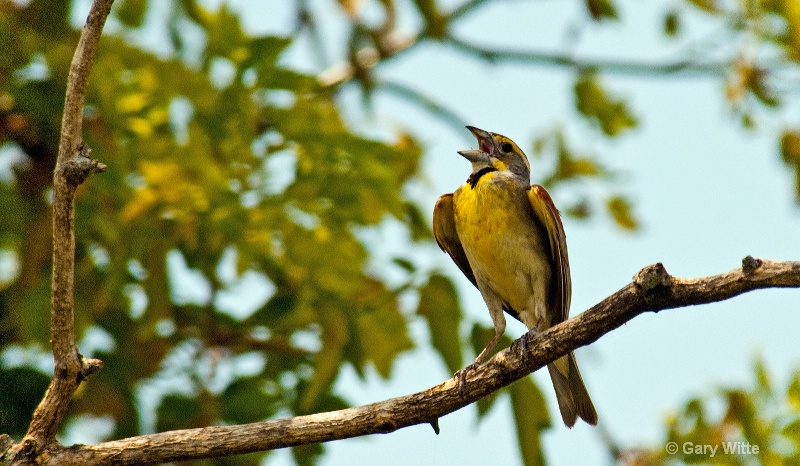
[{"x": 507, "y": 238}]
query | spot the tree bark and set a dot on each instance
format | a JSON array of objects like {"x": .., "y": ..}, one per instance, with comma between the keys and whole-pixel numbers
[
  {"x": 651, "y": 290},
  {"x": 72, "y": 168}
]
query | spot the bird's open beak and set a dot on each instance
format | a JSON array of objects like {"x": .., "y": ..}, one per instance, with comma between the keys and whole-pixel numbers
[{"x": 485, "y": 143}]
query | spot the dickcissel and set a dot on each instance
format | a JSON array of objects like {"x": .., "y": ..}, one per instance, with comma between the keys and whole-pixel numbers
[{"x": 506, "y": 236}]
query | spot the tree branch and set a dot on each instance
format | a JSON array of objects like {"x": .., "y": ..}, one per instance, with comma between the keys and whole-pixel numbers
[
  {"x": 423, "y": 101},
  {"x": 388, "y": 45},
  {"x": 686, "y": 67},
  {"x": 72, "y": 168},
  {"x": 652, "y": 289}
]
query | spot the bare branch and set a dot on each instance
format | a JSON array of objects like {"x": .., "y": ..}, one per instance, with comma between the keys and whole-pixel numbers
[
  {"x": 388, "y": 44},
  {"x": 652, "y": 289},
  {"x": 687, "y": 67},
  {"x": 429, "y": 104},
  {"x": 72, "y": 168}
]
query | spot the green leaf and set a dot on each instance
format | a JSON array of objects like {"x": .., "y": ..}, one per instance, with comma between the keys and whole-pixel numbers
[
  {"x": 225, "y": 36},
  {"x": 672, "y": 23},
  {"x": 793, "y": 391},
  {"x": 329, "y": 358},
  {"x": 265, "y": 50},
  {"x": 531, "y": 418},
  {"x": 622, "y": 213},
  {"x": 131, "y": 12},
  {"x": 790, "y": 152},
  {"x": 581, "y": 209},
  {"x": 245, "y": 401},
  {"x": 762, "y": 377},
  {"x": 609, "y": 113},
  {"x": 25, "y": 316},
  {"x": 383, "y": 335},
  {"x": 758, "y": 82},
  {"x": 571, "y": 165},
  {"x": 709, "y": 6},
  {"x": 741, "y": 408},
  {"x": 438, "y": 304},
  {"x": 792, "y": 431},
  {"x": 480, "y": 336},
  {"x": 417, "y": 222},
  {"x": 435, "y": 22},
  {"x": 754, "y": 414},
  {"x": 21, "y": 389},
  {"x": 791, "y": 13},
  {"x": 307, "y": 455},
  {"x": 263, "y": 57},
  {"x": 486, "y": 403},
  {"x": 50, "y": 18},
  {"x": 279, "y": 306},
  {"x": 187, "y": 174},
  {"x": 405, "y": 264},
  {"x": 584, "y": 166},
  {"x": 180, "y": 412},
  {"x": 195, "y": 12},
  {"x": 602, "y": 9}
]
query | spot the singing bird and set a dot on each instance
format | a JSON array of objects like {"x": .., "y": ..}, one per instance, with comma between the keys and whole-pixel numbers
[{"x": 506, "y": 236}]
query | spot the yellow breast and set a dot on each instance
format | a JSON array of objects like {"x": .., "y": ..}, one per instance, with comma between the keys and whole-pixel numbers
[
  {"x": 485, "y": 216},
  {"x": 502, "y": 240}
]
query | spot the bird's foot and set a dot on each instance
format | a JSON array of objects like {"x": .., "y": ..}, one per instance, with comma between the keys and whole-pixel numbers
[
  {"x": 461, "y": 375},
  {"x": 521, "y": 345}
]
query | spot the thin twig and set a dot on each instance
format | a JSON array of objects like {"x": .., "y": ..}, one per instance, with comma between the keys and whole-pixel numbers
[
  {"x": 72, "y": 167},
  {"x": 465, "y": 9},
  {"x": 416, "y": 97},
  {"x": 651, "y": 290},
  {"x": 687, "y": 67}
]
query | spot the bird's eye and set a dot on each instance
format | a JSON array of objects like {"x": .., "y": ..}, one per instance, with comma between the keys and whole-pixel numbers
[{"x": 507, "y": 147}]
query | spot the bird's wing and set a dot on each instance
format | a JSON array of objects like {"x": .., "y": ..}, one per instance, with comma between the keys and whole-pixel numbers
[
  {"x": 444, "y": 230},
  {"x": 548, "y": 215}
]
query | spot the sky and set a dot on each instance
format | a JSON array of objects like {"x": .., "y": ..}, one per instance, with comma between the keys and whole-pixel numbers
[{"x": 707, "y": 193}]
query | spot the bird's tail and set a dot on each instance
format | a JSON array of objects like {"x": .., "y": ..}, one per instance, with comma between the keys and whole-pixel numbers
[{"x": 573, "y": 399}]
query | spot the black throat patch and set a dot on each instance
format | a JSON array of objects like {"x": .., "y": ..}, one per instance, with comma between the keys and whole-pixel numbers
[{"x": 473, "y": 178}]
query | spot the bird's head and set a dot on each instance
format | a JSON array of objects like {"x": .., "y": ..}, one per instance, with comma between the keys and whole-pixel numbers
[{"x": 499, "y": 152}]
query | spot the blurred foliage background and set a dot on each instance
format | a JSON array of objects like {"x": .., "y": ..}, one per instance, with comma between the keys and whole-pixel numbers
[{"x": 222, "y": 273}]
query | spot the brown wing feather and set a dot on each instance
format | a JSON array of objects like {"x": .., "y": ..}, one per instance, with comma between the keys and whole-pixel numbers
[
  {"x": 444, "y": 230},
  {"x": 548, "y": 215}
]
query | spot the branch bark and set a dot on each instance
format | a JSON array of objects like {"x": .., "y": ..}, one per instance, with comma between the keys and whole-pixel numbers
[
  {"x": 72, "y": 167},
  {"x": 651, "y": 290},
  {"x": 665, "y": 69}
]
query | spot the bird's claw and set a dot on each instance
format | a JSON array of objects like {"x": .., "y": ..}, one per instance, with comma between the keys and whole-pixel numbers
[
  {"x": 461, "y": 375},
  {"x": 520, "y": 347}
]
